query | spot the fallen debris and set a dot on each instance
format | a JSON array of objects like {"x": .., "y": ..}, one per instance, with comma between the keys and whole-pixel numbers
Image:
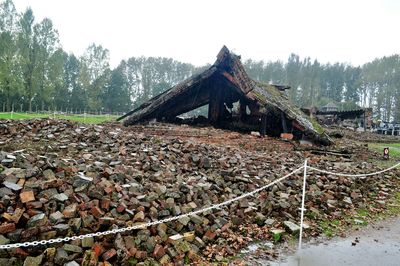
[
  {"x": 66, "y": 192},
  {"x": 223, "y": 85}
]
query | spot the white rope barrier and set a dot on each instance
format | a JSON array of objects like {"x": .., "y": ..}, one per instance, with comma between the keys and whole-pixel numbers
[
  {"x": 330, "y": 173},
  {"x": 139, "y": 226},
  {"x": 216, "y": 206},
  {"x": 354, "y": 175},
  {"x": 303, "y": 197}
]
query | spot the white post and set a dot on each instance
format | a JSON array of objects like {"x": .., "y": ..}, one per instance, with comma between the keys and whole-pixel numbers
[{"x": 302, "y": 204}]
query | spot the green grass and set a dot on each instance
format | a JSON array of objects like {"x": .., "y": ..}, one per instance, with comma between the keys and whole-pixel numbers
[
  {"x": 317, "y": 126},
  {"x": 361, "y": 217},
  {"x": 89, "y": 119},
  {"x": 394, "y": 149}
]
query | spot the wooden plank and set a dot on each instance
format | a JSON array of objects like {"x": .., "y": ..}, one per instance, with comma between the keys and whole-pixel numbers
[
  {"x": 159, "y": 102},
  {"x": 263, "y": 125}
]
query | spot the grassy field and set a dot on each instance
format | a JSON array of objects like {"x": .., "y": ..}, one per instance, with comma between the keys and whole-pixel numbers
[
  {"x": 90, "y": 119},
  {"x": 394, "y": 149}
]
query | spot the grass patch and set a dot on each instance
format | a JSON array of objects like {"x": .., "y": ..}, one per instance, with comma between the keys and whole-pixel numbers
[
  {"x": 277, "y": 237},
  {"x": 329, "y": 227},
  {"x": 362, "y": 213},
  {"x": 394, "y": 205},
  {"x": 88, "y": 119},
  {"x": 394, "y": 149},
  {"x": 317, "y": 126},
  {"x": 361, "y": 217}
]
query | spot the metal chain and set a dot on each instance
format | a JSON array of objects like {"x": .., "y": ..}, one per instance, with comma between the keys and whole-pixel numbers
[
  {"x": 353, "y": 175},
  {"x": 144, "y": 225},
  {"x": 170, "y": 219}
]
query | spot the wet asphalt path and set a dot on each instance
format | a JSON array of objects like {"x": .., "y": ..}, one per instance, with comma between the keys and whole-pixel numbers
[{"x": 375, "y": 244}]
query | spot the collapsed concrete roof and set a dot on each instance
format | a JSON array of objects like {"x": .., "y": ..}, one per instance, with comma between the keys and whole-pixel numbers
[{"x": 225, "y": 83}]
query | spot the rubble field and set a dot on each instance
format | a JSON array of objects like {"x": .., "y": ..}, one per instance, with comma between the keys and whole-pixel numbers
[{"x": 60, "y": 178}]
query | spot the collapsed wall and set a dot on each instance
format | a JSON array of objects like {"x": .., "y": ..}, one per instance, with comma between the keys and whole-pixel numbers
[{"x": 224, "y": 84}]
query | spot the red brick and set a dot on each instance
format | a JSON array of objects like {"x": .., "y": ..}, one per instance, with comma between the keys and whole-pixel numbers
[
  {"x": 97, "y": 212},
  {"x": 97, "y": 249},
  {"x": 19, "y": 252},
  {"x": 69, "y": 211},
  {"x": 108, "y": 190},
  {"x": 158, "y": 251},
  {"x": 7, "y": 228},
  {"x": 32, "y": 212},
  {"x": 225, "y": 227},
  {"x": 34, "y": 205},
  {"x": 121, "y": 207},
  {"x": 105, "y": 204},
  {"x": 209, "y": 235},
  {"x": 287, "y": 136},
  {"x": 109, "y": 254},
  {"x": 27, "y": 196}
]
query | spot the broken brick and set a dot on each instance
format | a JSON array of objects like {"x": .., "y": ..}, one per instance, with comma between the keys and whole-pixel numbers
[
  {"x": 109, "y": 254},
  {"x": 158, "y": 251},
  {"x": 97, "y": 249},
  {"x": 7, "y": 228},
  {"x": 97, "y": 212},
  {"x": 27, "y": 196}
]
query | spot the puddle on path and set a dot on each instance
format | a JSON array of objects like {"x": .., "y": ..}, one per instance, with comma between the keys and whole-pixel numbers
[{"x": 373, "y": 245}]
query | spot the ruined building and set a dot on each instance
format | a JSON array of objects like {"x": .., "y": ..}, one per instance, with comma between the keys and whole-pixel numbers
[{"x": 223, "y": 86}]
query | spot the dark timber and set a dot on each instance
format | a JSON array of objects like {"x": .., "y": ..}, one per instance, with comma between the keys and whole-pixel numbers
[{"x": 220, "y": 86}]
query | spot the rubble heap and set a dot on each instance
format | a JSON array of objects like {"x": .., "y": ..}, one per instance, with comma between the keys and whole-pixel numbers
[{"x": 60, "y": 179}]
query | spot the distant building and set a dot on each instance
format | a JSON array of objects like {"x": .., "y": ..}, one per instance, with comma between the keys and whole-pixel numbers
[
  {"x": 331, "y": 115},
  {"x": 330, "y": 107}
]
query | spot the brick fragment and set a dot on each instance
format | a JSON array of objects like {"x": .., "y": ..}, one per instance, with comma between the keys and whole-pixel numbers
[
  {"x": 158, "y": 251},
  {"x": 109, "y": 254},
  {"x": 7, "y": 228},
  {"x": 97, "y": 212},
  {"x": 27, "y": 196}
]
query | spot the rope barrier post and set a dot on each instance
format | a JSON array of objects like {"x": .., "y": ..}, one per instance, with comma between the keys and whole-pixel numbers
[{"x": 302, "y": 204}]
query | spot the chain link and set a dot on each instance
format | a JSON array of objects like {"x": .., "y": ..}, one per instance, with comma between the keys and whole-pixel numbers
[{"x": 144, "y": 225}]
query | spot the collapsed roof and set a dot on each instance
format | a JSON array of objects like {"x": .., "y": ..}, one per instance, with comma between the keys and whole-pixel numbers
[{"x": 220, "y": 86}]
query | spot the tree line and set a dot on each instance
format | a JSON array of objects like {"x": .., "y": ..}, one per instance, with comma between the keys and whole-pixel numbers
[
  {"x": 375, "y": 84},
  {"x": 37, "y": 74}
]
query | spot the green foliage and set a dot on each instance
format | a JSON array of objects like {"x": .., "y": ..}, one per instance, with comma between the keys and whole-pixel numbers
[
  {"x": 89, "y": 119},
  {"x": 317, "y": 126},
  {"x": 277, "y": 237},
  {"x": 36, "y": 74},
  {"x": 116, "y": 95},
  {"x": 374, "y": 84}
]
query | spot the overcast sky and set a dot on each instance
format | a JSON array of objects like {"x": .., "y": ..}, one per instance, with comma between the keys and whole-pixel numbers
[{"x": 193, "y": 31}]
